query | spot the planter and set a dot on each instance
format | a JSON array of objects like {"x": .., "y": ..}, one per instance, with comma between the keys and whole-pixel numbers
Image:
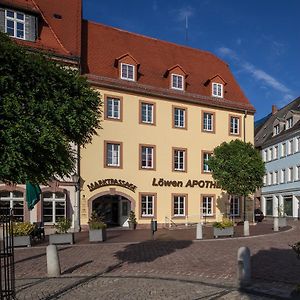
[
  {"x": 132, "y": 225},
  {"x": 22, "y": 241},
  {"x": 97, "y": 235},
  {"x": 61, "y": 238},
  {"x": 282, "y": 222},
  {"x": 228, "y": 231}
]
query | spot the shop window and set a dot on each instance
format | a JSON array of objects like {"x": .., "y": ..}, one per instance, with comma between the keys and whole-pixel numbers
[
  {"x": 54, "y": 207},
  {"x": 12, "y": 200},
  {"x": 179, "y": 202},
  {"x": 269, "y": 206},
  {"x": 234, "y": 206},
  {"x": 207, "y": 205},
  {"x": 288, "y": 205},
  {"x": 147, "y": 205}
]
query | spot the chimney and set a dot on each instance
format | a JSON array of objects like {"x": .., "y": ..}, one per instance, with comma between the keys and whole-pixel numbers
[{"x": 274, "y": 109}]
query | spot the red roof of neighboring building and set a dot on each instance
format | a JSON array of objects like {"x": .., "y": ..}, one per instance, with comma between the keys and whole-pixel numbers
[
  {"x": 103, "y": 44},
  {"x": 60, "y": 36}
]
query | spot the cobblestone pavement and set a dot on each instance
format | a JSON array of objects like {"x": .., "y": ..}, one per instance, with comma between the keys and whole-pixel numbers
[{"x": 162, "y": 269}]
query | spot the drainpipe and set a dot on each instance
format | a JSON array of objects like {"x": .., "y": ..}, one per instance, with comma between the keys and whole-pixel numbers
[{"x": 244, "y": 129}]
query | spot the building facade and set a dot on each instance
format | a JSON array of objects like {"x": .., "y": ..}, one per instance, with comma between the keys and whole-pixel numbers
[
  {"x": 49, "y": 27},
  {"x": 278, "y": 139},
  {"x": 166, "y": 107}
]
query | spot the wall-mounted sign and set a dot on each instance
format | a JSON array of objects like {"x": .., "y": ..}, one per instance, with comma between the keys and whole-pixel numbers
[
  {"x": 190, "y": 183},
  {"x": 105, "y": 182}
]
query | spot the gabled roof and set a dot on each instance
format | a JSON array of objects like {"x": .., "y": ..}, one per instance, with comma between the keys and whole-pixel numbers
[
  {"x": 102, "y": 44},
  {"x": 61, "y": 36},
  {"x": 264, "y": 130}
]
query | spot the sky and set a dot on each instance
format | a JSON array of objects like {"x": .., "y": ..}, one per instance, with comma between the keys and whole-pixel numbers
[{"x": 259, "y": 39}]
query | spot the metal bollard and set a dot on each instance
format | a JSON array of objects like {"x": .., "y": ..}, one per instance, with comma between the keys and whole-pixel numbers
[
  {"x": 246, "y": 228},
  {"x": 276, "y": 224},
  {"x": 244, "y": 266},
  {"x": 53, "y": 265},
  {"x": 199, "y": 232}
]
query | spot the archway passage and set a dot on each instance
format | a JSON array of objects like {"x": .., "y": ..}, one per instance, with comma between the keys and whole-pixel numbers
[{"x": 114, "y": 209}]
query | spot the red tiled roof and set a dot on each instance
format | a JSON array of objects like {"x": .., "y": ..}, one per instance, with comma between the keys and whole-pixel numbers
[
  {"x": 103, "y": 44},
  {"x": 60, "y": 36}
]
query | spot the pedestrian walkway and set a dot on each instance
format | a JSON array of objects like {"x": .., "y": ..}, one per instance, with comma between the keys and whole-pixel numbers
[{"x": 161, "y": 269}]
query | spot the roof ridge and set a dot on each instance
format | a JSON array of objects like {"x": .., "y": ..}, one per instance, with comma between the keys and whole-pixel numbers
[
  {"x": 159, "y": 40},
  {"x": 50, "y": 27}
]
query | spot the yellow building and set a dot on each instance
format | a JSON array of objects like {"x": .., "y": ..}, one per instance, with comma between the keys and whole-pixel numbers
[{"x": 166, "y": 107}]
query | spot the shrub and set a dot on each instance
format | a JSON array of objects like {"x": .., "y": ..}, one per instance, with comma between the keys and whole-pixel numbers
[
  {"x": 22, "y": 228},
  {"x": 223, "y": 224},
  {"x": 63, "y": 225},
  {"x": 96, "y": 222}
]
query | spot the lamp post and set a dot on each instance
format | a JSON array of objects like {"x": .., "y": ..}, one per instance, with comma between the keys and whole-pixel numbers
[{"x": 76, "y": 181}]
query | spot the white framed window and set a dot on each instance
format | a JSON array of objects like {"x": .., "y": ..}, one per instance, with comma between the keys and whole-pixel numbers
[
  {"x": 147, "y": 157},
  {"x": 276, "y": 129},
  {"x": 179, "y": 117},
  {"x": 54, "y": 207},
  {"x": 265, "y": 155},
  {"x": 15, "y": 24},
  {"x": 283, "y": 176},
  {"x": 270, "y": 178},
  {"x": 275, "y": 177},
  {"x": 288, "y": 205},
  {"x": 265, "y": 180},
  {"x": 207, "y": 205},
  {"x": 147, "y": 205},
  {"x": 179, "y": 160},
  {"x": 113, "y": 154},
  {"x": 234, "y": 125},
  {"x": 127, "y": 72},
  {"x": 179, "y": 206},
  {"x": 270, "y": 153},
  {"x": 147, "y": 113},
  {"x": 12, "y": 200},
  {"x": 234, "y": 206},
  {"x": 275, "y": 153},
  {"x": 208, "y": 122},
  {"x": 298, "y": 172},
  {"x": 290, "y": 174},
  {"x": 205, "y": 158},
  {"x": 290, "y": 147},
  {"x": 113, "y": 108},
  {"x": 217, "y": 90},
  {"x": 283, "y": 149},
  {"x": 297, "y": 144},
  {"x": 177, "y": 82},
  {"x": 289, "y": 123}
]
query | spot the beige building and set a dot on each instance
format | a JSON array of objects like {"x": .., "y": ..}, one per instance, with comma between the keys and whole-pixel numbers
[{"x": 166, "y": 107}]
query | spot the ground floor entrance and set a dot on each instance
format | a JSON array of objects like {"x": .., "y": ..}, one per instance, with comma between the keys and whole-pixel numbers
[{"x": 114, "y": 209}]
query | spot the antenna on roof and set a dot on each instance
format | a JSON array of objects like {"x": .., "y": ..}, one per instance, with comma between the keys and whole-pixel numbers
[{"x": 186, "y": 29}]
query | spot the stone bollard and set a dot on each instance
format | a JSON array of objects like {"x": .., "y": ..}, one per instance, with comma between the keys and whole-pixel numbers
[
  {"x": 246, "y": 228},
  {"x": 244, "y": 266},
  {"x": 53, "y": 265},
  {"x": 199, "y": 232},
  {"x": 276, "y": 224}
]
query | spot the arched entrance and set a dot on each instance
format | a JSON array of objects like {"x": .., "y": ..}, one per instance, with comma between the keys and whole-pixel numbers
[{"x": 114, "y": 209}]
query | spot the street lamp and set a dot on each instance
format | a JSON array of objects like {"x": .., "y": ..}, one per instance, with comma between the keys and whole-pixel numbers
[{"x": 76, "y": 181}]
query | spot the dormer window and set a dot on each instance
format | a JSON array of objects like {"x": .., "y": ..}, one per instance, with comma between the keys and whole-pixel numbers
[
  {"x": 289, "y": 123},
  {"x": 217, "y": 90},
  {"x": 276, "y": 129},
  {"x": 177, "y": 82},
  {"x": 15, "y": 24},
  {"x": 127, "y": 72}
]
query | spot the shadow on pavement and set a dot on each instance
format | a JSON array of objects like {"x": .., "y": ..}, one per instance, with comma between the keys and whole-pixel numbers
[{"x": 78, "y": 266}]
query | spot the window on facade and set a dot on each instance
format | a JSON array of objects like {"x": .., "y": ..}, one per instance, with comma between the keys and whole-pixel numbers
[
  {"x": 265, "y": 155},
  {"x": 147, "y": 157},
  {"x": 269, "y": 206},
  {"x": 12, "y": 200},
  {"x": 234, "y": 125},
  {"x": 275, "y": 154},
  {"x": 289, "y": 123},
  {"x": 298, "y": 144},
  {"x": 290, "y": 174},
  {"x": 147, "y": 205},
  {"x": 276, "y": 129},
  {"x": 208, "y": 122},
  {"x": 283, "y": 149},
  {"x": 15, "y": 24},
  {"x": 275, "y": 177},
  {"x": 288, "y": 205},
  {"x": 217, "y": 90},
  {"x": 265, "y": 180},
  {"x": 177, "y": 82},
  {"x": 127, "y": 72},
  {"x": 290, "y": 147},
  {"x": 113, "y": 110},
  {"x": 207, "y": 205},
  {"x": 179, "y": 117},
  {"x": 178, "y": 206},
  {"x": 282, "y": 176},
  {"x": 270, "y": 153},
  {"x": 270, "y": 178},
  {"x": 234, "y": 206},
  {"x": 54, "y": 207},
  {"x": 147, "y": 113},
  {"x": 298, "y": 172},
  {"x": 113, "y": 155},
  {"x": 205, "y": 158},
  {"x": 179, "y": 160}
]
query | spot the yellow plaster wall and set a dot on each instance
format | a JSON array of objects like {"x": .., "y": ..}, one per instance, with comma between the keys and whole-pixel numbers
[{"x": 131, "y": 133}]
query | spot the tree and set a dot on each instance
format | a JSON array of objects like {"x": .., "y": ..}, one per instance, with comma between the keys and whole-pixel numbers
[
  {"x": 44, "y": 108},
  {"x": 238, "y": 168}
]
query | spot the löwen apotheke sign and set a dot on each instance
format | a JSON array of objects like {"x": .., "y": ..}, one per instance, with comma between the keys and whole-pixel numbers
[{"x": 161, "y": 182}]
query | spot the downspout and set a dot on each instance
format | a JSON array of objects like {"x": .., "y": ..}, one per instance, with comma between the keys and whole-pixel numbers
[{"x": 244, "y": 137}]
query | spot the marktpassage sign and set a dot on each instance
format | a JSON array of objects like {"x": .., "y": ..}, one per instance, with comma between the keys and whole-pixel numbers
[
  {"x": 105, "y": 182},
  {"x": 190, "y": 183}
]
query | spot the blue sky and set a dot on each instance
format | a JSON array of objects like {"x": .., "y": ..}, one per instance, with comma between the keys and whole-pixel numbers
[{"x": 259, "y": 39}]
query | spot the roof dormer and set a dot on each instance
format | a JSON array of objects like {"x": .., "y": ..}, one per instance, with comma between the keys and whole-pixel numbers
[
  {"x": 127, "y": 67},
  {"x": 177, "y": 77},
  {"x": 216, "y": 85},
  {"x": 291, "y": 118},
  {"x": 278, "y": 126}
]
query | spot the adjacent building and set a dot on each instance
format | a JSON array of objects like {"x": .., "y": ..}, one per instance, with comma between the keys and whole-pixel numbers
[{"x": 278, "y": 139}]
